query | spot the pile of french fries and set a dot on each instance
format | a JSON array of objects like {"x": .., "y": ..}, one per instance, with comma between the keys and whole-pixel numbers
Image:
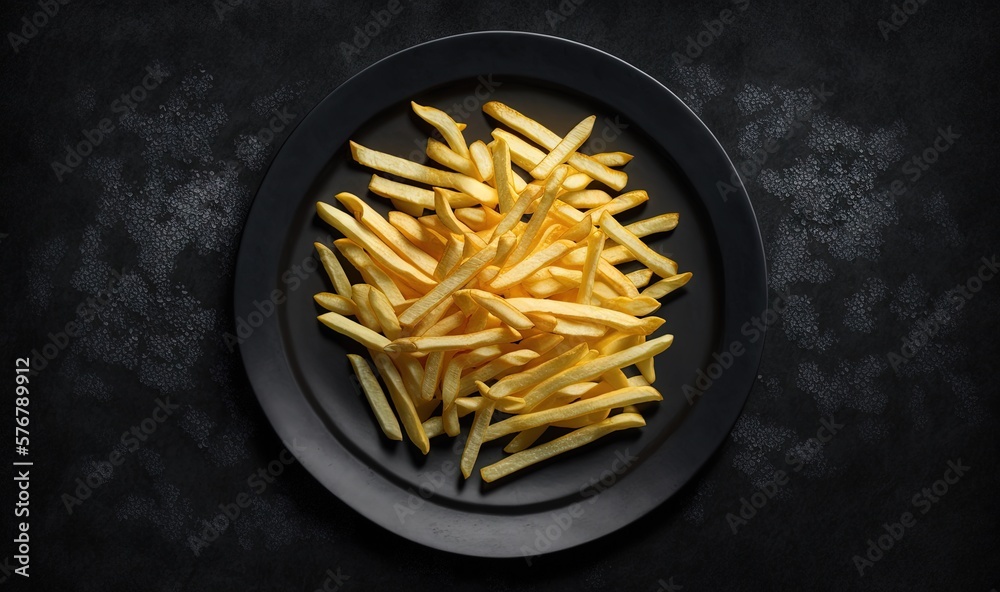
[{"x": 505, "y": 300}]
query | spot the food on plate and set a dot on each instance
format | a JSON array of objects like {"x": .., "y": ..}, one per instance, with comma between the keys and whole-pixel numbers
[{"x": 492, "y": 290}]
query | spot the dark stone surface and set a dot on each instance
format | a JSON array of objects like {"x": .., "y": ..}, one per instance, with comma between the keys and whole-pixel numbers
[{"x": 162, "y": 199}]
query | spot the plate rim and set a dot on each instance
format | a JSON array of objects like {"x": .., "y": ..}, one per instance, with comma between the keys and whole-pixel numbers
[{"x": 267, "y": 369}]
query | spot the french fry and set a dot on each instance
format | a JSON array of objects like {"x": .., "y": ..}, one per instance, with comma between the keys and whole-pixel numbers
[
  {"x": 335, "y": 303},
  {"x": 667, "y": 285},
  {"x": 503, "y": 177},
  {"x": 640, "y": 278},
  {"x": 385, "y": 314},
  {"x": 362, "y": 304},
  {"x": 454, "y": 281},
  {"x": 377, "y": 249},
  {"x": 376, "y": 397},
  {"x": 595, "y": 368},
  {"x": 660, "y": 265},
  {"x": 475, "y": 439},
  {"x": 401, "y": 167},
  {"x": 586, "y": 198},
  {"x": 575, "y": 439},
  {"x": 629, "y": 395},
  {"x": 565, "y": 148},
  {"x": 334, "y": 270},
  {"x": 389, "y": 234},
  {"x": 548, "y": 139},
  {"x": 503, "y": 311},
  {"x": 518, "y": 382},
  {"x": 403, "y": 403},
  {"x": 530, "y": 265},
  {"x": 595, "y": 245},
  {"x": 613, "y": 159},
  {"x": 353, "y": 330},
  {"x": 483, "y": 158},
  {"x": 453, "y": 342},
  {"x": 444, "y": 124},
  {"x": 445, "y": 156},
  {"x": 371, "y": 273}
]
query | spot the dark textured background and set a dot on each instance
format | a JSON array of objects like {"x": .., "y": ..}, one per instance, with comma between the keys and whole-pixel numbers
[{"x": 162, "y": 201}]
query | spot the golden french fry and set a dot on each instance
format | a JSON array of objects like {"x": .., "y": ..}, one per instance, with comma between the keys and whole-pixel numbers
[
  {"x": 353, "y": 330},
  {"x": 629, "y": 395},
  {"x": 377, "y": 249},
  {"x": 418, "y": 234},
  {"x": 567, "y": 327},
  {"x": 453, "y": 342},
  {"x": 567, "y": 146},
  {"x": 445, "y": 156},
  {"x": 503, "y": 311},
  {"x": 639, "y": 306},
  {"x": 475, "y": 439},
  {"x": 548, "y": 139},
  {"x": 335, "y": 303},
  {"x": 444, "y": 124},
  {"x": 403, "y": 403},
  {"x": 385, "y": 314},
  {"x": 587, "y": 313},
  {"x": 667, "y": 285},
  {"x": 526, "y": 267},
  {"x": 401, "y": 192},
  {"x": 503, "y": 177},
  {"x": 586, "y": 198},
  {"x": 372, "y": 274},
  {"x": 494, "y": 368},
  {"x": 518, "y": 382},
  {"x": 388, "y": 233},
  {"x": 660, "y": 265},
  {"x": 483, "y": 158},
  {"x": 613, "y": 159},
  {"x": 594, "y": 368},
  {"x": 454, "y": 281},
  {"x": 574, "y": 439},
  {"x": 538, "y": 217},
  {"x": 640, "y": 278},
  {"x": 432, "y": 374},
  {"x": 595, "y": 245},
  {"x": 341, "y": 284},
  {"x": 401, "y": 167},
  {"x": 362, "y": 305},
  {"x": 524, "y": 439},
  {"x": 376, "y": 397}
]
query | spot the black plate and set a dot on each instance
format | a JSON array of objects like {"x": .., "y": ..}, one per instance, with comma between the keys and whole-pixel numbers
[{"x": 304, "y": 383}]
